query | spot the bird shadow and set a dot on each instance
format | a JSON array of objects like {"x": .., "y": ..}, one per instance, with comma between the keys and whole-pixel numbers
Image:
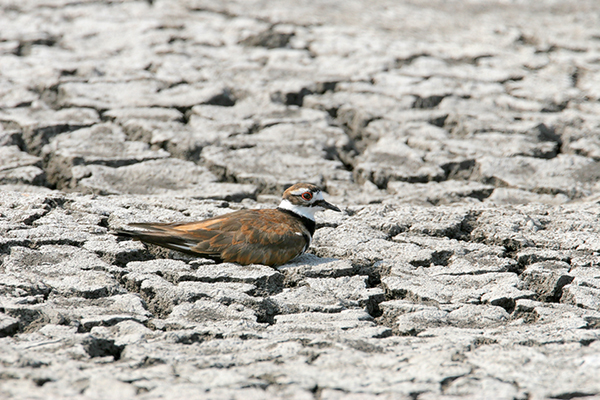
[{"x": 306, "y": 260}]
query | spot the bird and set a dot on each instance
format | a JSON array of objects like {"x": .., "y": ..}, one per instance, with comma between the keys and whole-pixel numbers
[{"x": 270, "y": 237}]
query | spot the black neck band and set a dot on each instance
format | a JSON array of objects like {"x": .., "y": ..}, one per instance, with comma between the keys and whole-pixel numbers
[{"x": 308, "y": 223}]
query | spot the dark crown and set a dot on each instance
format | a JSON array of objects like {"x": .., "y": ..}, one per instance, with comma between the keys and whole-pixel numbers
[{"x": 301, "y": 194}]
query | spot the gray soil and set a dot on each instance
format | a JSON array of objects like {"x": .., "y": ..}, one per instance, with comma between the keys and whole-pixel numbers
[{"x": 460, "y": 138}]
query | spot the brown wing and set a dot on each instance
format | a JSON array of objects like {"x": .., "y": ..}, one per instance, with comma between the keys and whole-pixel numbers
[{"x": 269, "y": 237}]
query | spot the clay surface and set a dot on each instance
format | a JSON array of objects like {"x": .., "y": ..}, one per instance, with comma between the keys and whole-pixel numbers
[{"x": 460, "y": 138}]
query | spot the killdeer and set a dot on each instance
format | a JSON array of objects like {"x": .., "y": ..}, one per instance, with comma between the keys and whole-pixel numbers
[{"x": 270, "y": 236}]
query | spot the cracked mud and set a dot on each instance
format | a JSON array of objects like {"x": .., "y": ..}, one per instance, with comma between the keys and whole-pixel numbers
[{"x": 461, "y": 140}]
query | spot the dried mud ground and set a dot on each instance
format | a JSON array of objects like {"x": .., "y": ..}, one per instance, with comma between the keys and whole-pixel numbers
[{"x": 460, "y": 138}]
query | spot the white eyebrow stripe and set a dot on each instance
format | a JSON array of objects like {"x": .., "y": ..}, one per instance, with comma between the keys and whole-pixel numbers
[
  {"x": 300, "y": 191},
  {"x": 317, "y": 195}
]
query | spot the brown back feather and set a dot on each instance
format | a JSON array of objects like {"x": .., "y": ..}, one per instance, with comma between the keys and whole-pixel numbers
[{"x": 269, "y": 237}]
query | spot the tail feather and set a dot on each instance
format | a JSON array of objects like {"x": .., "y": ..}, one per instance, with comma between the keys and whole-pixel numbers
[{"x": 159, "y": 235}]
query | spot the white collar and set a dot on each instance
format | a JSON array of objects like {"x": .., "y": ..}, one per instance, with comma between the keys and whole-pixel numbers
[{"x": 306, "y": 212}]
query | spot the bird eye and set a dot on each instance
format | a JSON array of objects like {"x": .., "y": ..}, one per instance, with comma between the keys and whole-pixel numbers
[{"x": 307, "y": 196}]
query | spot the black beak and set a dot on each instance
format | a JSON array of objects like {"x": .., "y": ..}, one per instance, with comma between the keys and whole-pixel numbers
[{"x": 326, "y": 205}]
